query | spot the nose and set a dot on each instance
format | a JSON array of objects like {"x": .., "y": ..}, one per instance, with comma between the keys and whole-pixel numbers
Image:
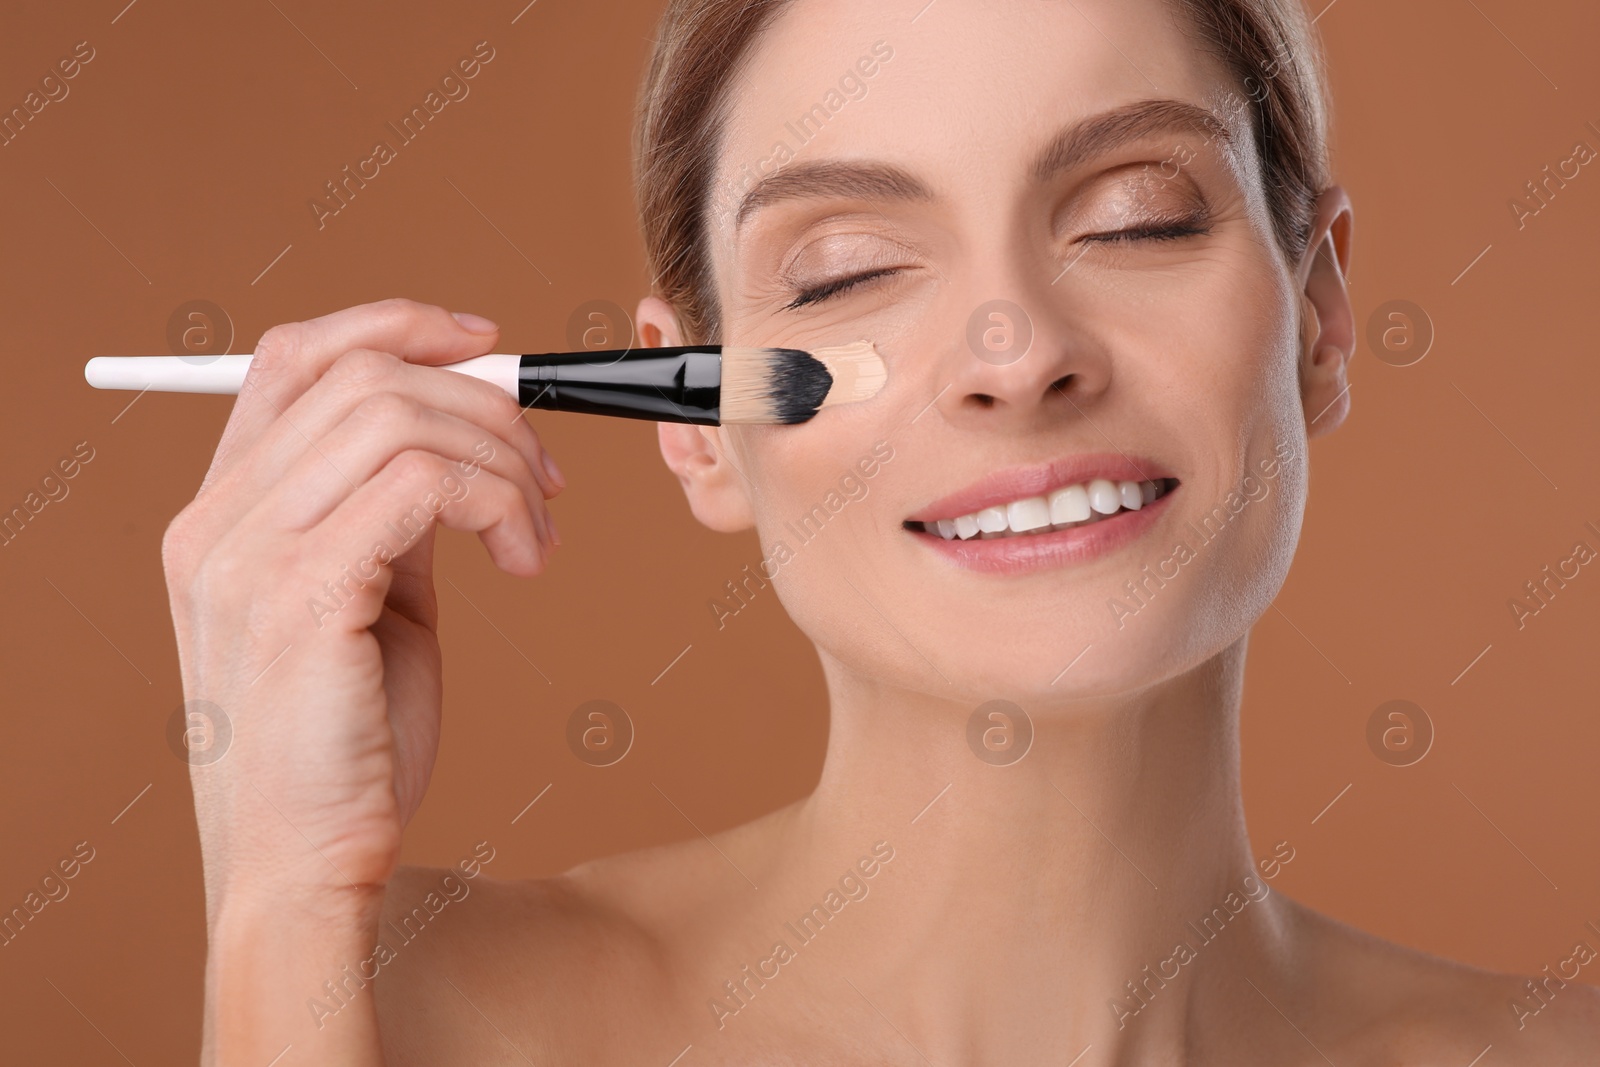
[{"x": 1028, "y": 359}]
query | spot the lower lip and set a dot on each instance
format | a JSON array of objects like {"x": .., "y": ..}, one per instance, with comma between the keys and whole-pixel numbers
[{"x": 1030, "y": 552}]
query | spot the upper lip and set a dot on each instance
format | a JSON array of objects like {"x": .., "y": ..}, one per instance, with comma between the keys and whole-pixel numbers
[{"x": 1019, "y": 483}]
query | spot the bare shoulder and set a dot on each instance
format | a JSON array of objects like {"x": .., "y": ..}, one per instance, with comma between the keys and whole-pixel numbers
[
  {"x": 488, "y": 966},
  {"x": 1385, "y": 1004},
  {"x": 550, "y": 969}
]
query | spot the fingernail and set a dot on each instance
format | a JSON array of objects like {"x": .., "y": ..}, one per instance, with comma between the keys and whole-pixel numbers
[
  {"x": 474, "y": 323},
  {"x": 552, "y": 470},
  {"x": 555, "y": 534}
]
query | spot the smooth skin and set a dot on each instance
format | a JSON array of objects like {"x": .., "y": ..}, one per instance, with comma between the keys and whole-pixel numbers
[{"x": 1018, "y": 904}]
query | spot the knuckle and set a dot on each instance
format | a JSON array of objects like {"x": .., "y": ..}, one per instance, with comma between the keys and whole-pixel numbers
[
  {"x": 497, "y": 403},
  {"x": 177, "y": 545},
  {"x": 507, "y": 410},
  {"x": 520, "y": 472},
  {"x": 361, "y": 369},
  {"x": 401, "y": 309},
  {"x": 388, "y": 409},
  {"x": 508, "y": 495},
  {"x": 280, "y": 344},
  {"x": 218, "y": 576},
  {"x": 415, "y": 466}
]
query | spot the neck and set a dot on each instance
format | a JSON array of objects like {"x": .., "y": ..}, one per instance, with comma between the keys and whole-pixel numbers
[{"x": 1052, "y": 889}]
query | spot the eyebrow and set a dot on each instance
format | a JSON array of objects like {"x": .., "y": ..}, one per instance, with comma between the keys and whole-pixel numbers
[
  {"x": 824, "y": 179},
  {"x": 1071, "y": 147},
  {"x": 1113, "y": 129}
]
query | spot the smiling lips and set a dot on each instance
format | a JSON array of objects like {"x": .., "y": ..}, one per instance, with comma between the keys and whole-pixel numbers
[
  {"x": 1053, "y": 513},
  {"x": 1061, "y": 509}
]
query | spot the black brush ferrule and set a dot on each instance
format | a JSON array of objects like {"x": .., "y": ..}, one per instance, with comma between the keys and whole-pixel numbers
[{"x": 674, "y": 384}]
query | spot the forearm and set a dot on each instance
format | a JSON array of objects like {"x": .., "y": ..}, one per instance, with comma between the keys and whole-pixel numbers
[{"x": 284, "y": 985}]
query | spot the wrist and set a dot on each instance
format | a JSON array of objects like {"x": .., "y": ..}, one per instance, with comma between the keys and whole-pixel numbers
[
  {"x": 273, "y": 955},
  {"x": 237, "y": 907}
]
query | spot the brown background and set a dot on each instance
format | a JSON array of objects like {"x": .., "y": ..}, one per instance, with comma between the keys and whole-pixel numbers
[{"x": 181, "y": 164}]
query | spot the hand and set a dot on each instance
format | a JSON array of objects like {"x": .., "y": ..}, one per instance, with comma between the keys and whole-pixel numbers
[{"x": 301, "y": 582}]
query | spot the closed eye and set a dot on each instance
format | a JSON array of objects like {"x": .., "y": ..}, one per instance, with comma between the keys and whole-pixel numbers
[
  {"x": 1169, "y": 231},
  {"x": 838, "y": 285},
  {"x": 1164, "y": 231}
]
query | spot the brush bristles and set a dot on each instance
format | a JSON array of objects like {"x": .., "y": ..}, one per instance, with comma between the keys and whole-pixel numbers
[
  {"x": 772, "y": 385},
  {"x": 789, "y": 385}
]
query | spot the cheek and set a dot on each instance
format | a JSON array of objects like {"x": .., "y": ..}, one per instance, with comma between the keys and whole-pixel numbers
[
  {"x": 1214, "y": 371},
  {"x": 1245, "y": 378},
  {"x": 811, "y": 489},
  {"x": 825, "y": 523},
  {"x": 1225, "y": 355}
]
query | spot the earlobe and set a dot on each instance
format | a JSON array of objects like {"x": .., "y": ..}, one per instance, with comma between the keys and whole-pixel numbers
[
  {"x": 1325, "y": 390},
  {"x": 685, "y": 451},
  {"x": 711, "y": 483}
]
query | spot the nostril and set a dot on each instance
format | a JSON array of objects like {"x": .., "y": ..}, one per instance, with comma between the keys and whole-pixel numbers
[
  {"x": 1063, "y": 382},
  {"x": 983, "y": 400}
]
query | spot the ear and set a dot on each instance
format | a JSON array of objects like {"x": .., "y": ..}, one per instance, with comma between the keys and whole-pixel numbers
[
  {"x": 1327, "y": 323},
  {"x": 698, "y": 455}
]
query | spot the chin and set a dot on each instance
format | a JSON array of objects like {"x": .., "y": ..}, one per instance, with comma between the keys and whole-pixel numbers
[{"x": 1052, "y": 660}]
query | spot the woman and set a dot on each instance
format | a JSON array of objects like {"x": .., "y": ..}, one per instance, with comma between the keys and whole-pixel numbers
[{"x": 1099, "y": 247}]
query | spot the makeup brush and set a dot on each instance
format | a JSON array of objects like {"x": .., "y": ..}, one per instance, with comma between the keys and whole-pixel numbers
[{"x": 710, "y": 385}]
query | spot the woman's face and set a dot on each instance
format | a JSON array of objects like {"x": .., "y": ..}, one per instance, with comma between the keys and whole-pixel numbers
[{"x": 1078, "y": 279}]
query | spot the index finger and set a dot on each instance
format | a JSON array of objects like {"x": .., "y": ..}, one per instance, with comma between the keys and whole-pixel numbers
[{"x": 290, "y": 357}]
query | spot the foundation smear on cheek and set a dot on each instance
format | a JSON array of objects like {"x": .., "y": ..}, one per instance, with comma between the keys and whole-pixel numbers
[{"x": 857, "y": 369}]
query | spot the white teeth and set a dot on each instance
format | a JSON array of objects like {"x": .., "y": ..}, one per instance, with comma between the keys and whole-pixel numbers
[
  {"x": 1070, "y": 504},
  {"x": 1104, "y": 497},
  {"x": 1063, "y": 508},
  {"x": 1029, "y": 514}
]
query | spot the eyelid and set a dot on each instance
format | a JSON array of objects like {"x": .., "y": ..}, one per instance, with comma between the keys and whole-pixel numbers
[
  {"x": 1153, "y": 230},
  {"x": 871, "y": 242},
  {"x": 813, "y": 294},
  {"x": 1179, "y": 195}
]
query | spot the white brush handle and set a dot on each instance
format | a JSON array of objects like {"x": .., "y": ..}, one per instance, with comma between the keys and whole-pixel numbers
[{"x": 225, "y": 374}]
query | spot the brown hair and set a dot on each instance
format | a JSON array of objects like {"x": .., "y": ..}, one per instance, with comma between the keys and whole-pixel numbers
[{"x": 1269, "y": 46}]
